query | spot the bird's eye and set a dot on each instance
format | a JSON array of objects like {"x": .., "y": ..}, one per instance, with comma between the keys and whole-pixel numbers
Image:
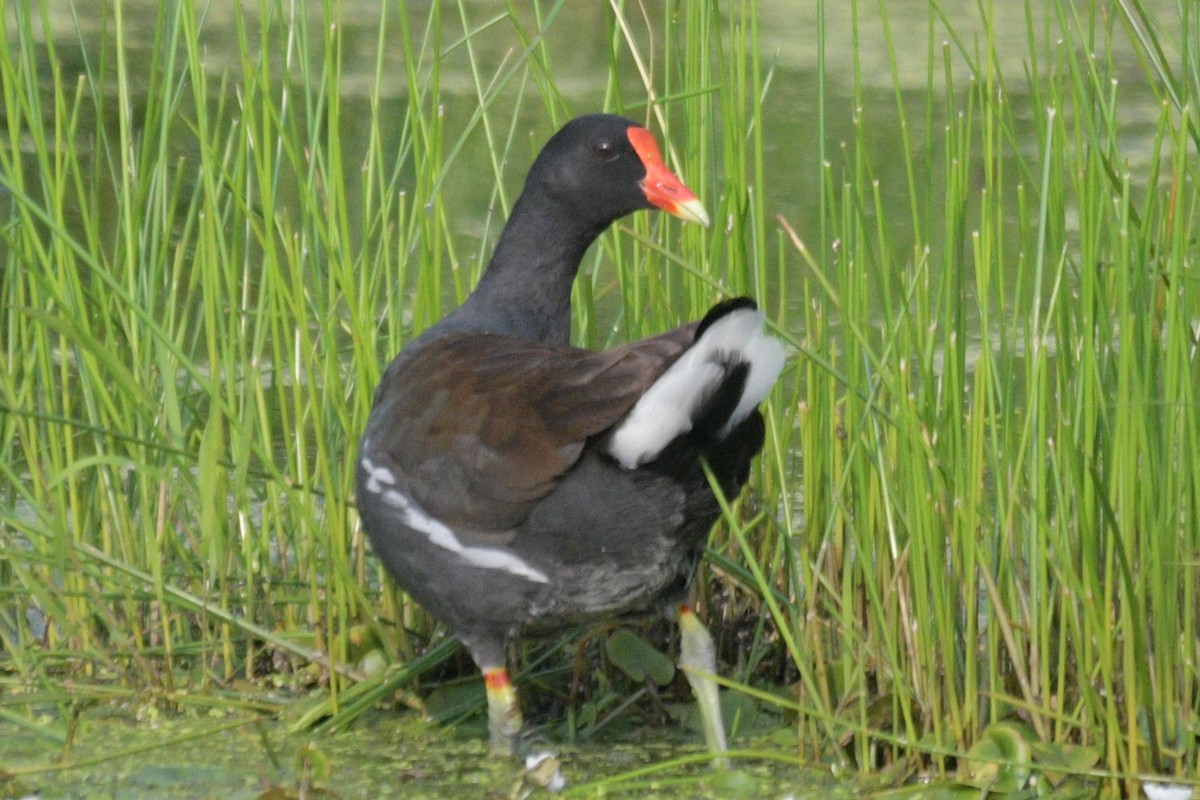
[{"x": 604, "y": 150}]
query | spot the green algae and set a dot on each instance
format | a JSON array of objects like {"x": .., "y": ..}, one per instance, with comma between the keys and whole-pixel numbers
[{"x": 122, "y": 753}]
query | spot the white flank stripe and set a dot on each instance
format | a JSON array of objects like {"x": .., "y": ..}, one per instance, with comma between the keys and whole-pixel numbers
[
  {"x": 665, "y": 410},
  {"x": 439, "y": 534},
  {"x": 377, "y": 476}
]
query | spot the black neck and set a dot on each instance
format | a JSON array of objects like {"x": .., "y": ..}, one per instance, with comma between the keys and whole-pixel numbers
[{"x": 526, "y": 290}]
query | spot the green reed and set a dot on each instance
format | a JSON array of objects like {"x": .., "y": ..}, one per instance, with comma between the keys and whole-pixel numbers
[{"x": 978, "y": 499}]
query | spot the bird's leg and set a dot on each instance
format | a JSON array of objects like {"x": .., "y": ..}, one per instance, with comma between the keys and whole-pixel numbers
[
  {"x": 698, "y": 658},
  {"x": 504, "y": 711}
]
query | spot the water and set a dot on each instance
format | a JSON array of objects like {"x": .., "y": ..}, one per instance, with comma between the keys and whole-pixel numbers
[{"x": 577, "y": 50}]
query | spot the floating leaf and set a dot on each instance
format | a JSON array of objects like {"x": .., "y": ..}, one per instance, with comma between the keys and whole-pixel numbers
[
  {"x": 1061, "y": 760},
  {"x": 1001, "y": 761},
  {"x": 637, "y": 658},
  {"x": 952, "y": 791},
  {"x": 735, "y": 783},
  {"x": 373, "y": 663},
  {"x": 451, "y": 702}
]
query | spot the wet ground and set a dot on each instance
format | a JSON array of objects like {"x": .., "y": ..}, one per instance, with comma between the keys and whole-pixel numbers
[{"x": 119, "y": 752}]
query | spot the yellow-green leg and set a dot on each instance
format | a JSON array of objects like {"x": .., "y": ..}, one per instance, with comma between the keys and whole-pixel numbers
[
  {"x": 698, "y": 658},
  {"x": 504, "y": 711}
]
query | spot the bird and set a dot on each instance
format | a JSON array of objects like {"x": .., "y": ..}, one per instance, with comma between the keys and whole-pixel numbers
[{"x": 515, "y": 485}]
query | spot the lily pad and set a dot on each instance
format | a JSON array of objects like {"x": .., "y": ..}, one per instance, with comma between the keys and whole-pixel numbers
[
  {"x": 452, "y": 702},
  {"x": 732, "y": 783},
  {"x": 1001, "y": 761},
  {"x": 1061, "y": 760},
  {"x": 637, "y": 658}
]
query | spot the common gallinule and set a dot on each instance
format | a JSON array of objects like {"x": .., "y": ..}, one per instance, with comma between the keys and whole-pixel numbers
[{"x": 513, "y": 484}]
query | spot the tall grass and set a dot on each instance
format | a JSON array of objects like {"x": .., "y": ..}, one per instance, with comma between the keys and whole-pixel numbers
[
  {"x": 1002, "y": 521},
  {"x": 979, "y": 498}
]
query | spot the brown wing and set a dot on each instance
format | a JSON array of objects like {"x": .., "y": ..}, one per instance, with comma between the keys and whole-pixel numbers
[{"x": 480, "y": 427}]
